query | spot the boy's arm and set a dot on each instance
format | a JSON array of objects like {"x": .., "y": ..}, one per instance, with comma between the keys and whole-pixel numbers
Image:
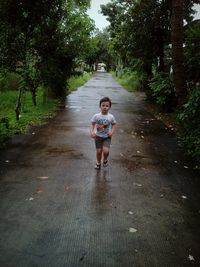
[
  {"x": 113, "y": 128},
  {"x": 92, "y": 126}
]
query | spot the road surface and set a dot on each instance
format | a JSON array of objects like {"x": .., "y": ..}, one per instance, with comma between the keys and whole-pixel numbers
[{"x": 58, "y": 211}]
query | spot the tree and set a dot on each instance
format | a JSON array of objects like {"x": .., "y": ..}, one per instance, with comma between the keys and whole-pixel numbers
[
  {"x": 99, "y": 49},
  {"x": 192, "y": 52},
  {"x": 177, "y": 50},
  {"x": 54, "y": 30}
]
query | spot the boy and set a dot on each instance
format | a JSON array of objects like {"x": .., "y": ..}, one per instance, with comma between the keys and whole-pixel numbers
[{"x": 102, "y": 127}]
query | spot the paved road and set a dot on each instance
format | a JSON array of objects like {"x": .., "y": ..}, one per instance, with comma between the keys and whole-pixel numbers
[{"x": 57, "y": 211}]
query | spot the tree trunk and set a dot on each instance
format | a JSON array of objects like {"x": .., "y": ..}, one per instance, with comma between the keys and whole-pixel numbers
[
  {"x": 177, "y": 50},
  {"x": 33, "y": 93},
  {"x": 18, "y": 104}
]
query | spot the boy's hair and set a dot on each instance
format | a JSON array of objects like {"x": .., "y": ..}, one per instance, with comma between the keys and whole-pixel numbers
[{"x": 105, "y": 99}]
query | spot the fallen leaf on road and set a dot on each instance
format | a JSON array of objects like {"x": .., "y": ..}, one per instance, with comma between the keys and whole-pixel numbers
[
  {"x": 191, "y": 258},
  {"x": 43, "y": 177},
  {"x": 133, "y": 133},
  {"x": 66, "y": 188},
  {"x": 196, "y": 167},
  {"x": 39, "y": 191},
  {"x": 132, "y": 230},
  {"x": 139, "y": 185},
  {"x": 184, "y": 197}
]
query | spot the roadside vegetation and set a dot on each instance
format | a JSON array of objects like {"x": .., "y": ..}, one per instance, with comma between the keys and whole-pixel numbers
[
  {"x": 76, "y": 81},
  {"x": 159, "y": 55},
  {"x": 30, "y": 115}
]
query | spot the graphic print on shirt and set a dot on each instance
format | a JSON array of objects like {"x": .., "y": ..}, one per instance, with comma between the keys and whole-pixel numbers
[{"x": 102, "y": 126}]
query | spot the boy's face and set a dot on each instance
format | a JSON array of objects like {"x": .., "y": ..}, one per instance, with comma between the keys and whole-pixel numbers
[{"x": 105, "y": 106}]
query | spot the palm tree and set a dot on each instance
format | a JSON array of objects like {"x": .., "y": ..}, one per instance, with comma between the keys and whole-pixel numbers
[{"x": 177, "y": 49}]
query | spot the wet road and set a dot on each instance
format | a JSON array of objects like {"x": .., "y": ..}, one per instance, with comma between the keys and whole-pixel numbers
[{"x": 57, "y": 211}]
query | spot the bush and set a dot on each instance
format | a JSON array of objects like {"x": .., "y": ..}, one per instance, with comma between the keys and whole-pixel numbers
[
  {"x": 131, "y": 80},
  {"x": 162, "y": 90},
  {"x": 78, "y": 80},
  {"x": 29, "y": 116},
  {"x": 189, "y": 120},
  {"x": 192, "y": 52},
  {"x": 9, "y": 81}
]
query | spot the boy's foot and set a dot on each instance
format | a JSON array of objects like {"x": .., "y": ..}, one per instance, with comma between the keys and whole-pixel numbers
[
  {"x": 105, "y": 163},
  {"x": 97, "y": 166}
]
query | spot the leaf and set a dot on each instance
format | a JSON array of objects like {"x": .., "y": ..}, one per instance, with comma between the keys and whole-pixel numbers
[
  {"x": 132, "y": 230},
  {"x": 39, "y": 191},
  {"x": 191, "y": 258},
  {"x": 184, "y": 197},
  {"x": 43, "y": 177}
]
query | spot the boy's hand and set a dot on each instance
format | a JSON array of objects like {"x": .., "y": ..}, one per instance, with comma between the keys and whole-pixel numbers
[
  {"x": 92, "y": 134},
  {"x": 110, "y": 134}
]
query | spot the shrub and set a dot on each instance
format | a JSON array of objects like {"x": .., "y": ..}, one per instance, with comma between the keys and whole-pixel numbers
[
  {"x": 9, "y": 81},
  {"x": 131, "y": 80},
  {"x": 189, "y": 120},
  {"x": 192, "y": 52},
  {"x": 78, "y": 80},
  {"x": 162, "y": 90}
]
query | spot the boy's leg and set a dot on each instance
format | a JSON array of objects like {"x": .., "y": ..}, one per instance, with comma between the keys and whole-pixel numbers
[
  {"x": 99, "y": 149},
  {"x": 106, "y": 150},
  {"x": 105, "y": 153},
  {"x": 99, "y": 155}
]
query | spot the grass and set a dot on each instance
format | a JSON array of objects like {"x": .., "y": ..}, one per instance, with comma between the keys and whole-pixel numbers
[
  {"x": 30, "y": 115},
  {"x": 130, "y": 81},
  {"x": 76, "y": 81}
]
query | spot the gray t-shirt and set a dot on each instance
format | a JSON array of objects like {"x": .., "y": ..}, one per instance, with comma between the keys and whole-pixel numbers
[{"x": 103, "y": 124}]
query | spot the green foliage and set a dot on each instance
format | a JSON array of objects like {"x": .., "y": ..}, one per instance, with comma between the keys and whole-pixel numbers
[
  {"x": 9, "y": 81},
  {"x": 162, "y": 89},
  {"x": 192, "y": 52},
  {"x": 29, "y": 116},
  {"x": 131, "y": 80},
  {"x": 189, "y": 120},
  {"x": 53, "y": 32},
  {"x": 135, "y": 37},
  {"x": 99, "y": 50},
  {"x": 78, "y": 80}
]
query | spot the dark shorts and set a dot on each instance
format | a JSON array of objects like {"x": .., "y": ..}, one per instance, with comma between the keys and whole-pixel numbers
[{"x": 100, "y": 142}]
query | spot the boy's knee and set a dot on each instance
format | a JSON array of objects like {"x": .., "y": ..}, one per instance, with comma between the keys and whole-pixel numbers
[
  {"x": 106, "y": 150},
  {"x": 99, "y": 151}
]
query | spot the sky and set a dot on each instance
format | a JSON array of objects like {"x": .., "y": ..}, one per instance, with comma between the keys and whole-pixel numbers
[
  {"x": 94, "y": 13},
  {"x": 100, "y": 20}
]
